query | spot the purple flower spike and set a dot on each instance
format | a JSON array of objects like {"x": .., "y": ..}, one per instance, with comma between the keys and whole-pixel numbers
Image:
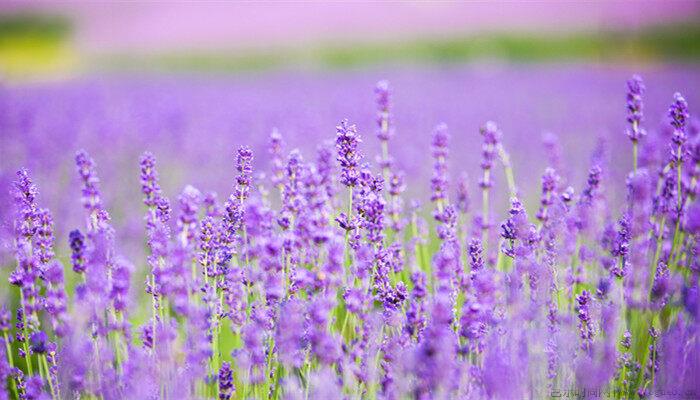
[
  {"x": 550, "y": 180},
  {"x": 275, "y": 146},
  {"x": 678, "y": 112},
  {"x": 475, "y": 249},
  {"x": 585, "y": 324},
  {"x": 635, "y": 108},
  {"x": 38, "y": 342},
  {"x": 492, "y": 137},
  {"x": 25, "y": 193},
  {"x": 158, "y": 207},
  {"x": 440, "y": 150},
  {"x": 226, "y": 388},
  {"x": 244, "y": 167},
  {"x": 44, "y": 236},
  {"x": 385, "y": 129},
  {"x": 77, "y": 246},
  {"x": 346, "y": 144},
  {"x": 91, "y": 199}
]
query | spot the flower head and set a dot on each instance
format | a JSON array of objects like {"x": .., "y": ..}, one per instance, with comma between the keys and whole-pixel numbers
[
  {"x": 635, "y": 107},
  {"x": 346, "y": 144}
]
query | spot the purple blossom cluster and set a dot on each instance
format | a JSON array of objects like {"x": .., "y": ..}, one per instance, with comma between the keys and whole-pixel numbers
[{"x": 317, "y": 282}]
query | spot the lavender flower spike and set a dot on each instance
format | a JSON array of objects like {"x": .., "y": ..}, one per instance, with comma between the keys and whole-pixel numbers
[
  {"x": 439, "y": 181},
  {"x": 385, "y": 128},
  {"x": 226, "y": 388},
  {"x": 489, "y": 152},
  {"x": 92, "y": 202},
  {"x": 275, "y": 145},
  {"x": 635, "y": 108},
  {"x": 346, "y": 143},
  {"x": 678, "y": 112},
  {"x": 152, "y": 194},
  {"x": 244, "y": 166}
]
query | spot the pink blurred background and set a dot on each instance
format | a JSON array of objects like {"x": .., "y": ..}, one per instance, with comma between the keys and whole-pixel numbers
[{"x": 144, "y": 27}]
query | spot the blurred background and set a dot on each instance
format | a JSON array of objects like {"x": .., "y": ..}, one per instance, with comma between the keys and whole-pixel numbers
[
  {"x": 191, "y": 81},
  {"x": 48, "y": 37}
]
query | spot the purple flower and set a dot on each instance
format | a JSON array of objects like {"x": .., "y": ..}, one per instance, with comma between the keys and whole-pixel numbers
[
  {"x": 275, "y": 146},
  {"x": 434, "y": 359},
  {"x": 38, "y": 342},
  {"x": 463, "y": 201},
  {"x": 346, "y": 144},
  {"x": 5, "y": 319},
  {"x": 226, "y": 388},
  {"x": 234, "y": 207},
  {"x": 370, "y": 208},
  {"x": 661, "y": 283},
  {"x": 55, "y": 302},
  {"x": 355, "y": 300},
  {"x": 549, "y": 185},
  {"x": 25, "y": 193},
  {"x": 121, "y": 276},
  {"x": 516, "y": 227},
  {"x": 189, "y": 201},
  {"x": 34, "y": 389},
  {"x": 489, "y": 149},
  {"x": 77, "y": 246},
  {"x": 477, "y": 263},
  {"x": 244, "y": 159},
  {"x": 292, "y": 198},
  {"x": 585, "y": 324},
  {"x": 692, "y": 224},
  {"x": 593, "y": 183},
  {"x": 44, "y": 236},
  {"x": 92, "y": 202},
  {"x": 678, "y": 113},
  {"x": 290, "y": 336},
  {"x": 635, "y": 108},
  {"x": 440, "y": 150},
  {"x": 158, "y": 206},
  {"x": 397, "y": 186},
  {"x": 385, "y": 129}
]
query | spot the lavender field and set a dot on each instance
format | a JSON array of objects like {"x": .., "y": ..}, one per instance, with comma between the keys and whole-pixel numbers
[{"x": 456, "y": 231}]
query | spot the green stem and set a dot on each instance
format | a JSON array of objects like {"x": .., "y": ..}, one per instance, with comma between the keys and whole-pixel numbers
[
  {"x": 307, "y": 375},
  {"x": 385, "y": 156},
  {"x": 659, "y": 243},
  {"x": 485, "y": 213},
  {"x": 679, "y": 167},
  {"x": 346, "y": 253},
  {"x": 25, "y": 332},
  {"x": 48, "y": 376},
  {"x": 10, "y": 360},
  {"x": 508, "y": 169}
]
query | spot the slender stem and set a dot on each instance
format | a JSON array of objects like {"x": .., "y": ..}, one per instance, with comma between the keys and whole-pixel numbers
[
  {"x": 48, "y": 376},
  {"x": 385, "y": 158},
  {"x": 485, "y": 212},
  {"x": 10, "y": 360},
  {"x": 659, "y": 243},
  {"x": 346, "y": 253},
  {"x": 307, "y": 375},
  {"x": 154, "y": 326},
  {"x": 25, "y": 332},
  {"x": 508, "y": 169},
  {"x": 574, "y": 272},
  {"x": 679, "y": 167}
]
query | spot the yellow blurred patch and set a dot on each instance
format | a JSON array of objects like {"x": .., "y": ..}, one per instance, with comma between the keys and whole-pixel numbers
[{"x": 32, "y": 57}]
